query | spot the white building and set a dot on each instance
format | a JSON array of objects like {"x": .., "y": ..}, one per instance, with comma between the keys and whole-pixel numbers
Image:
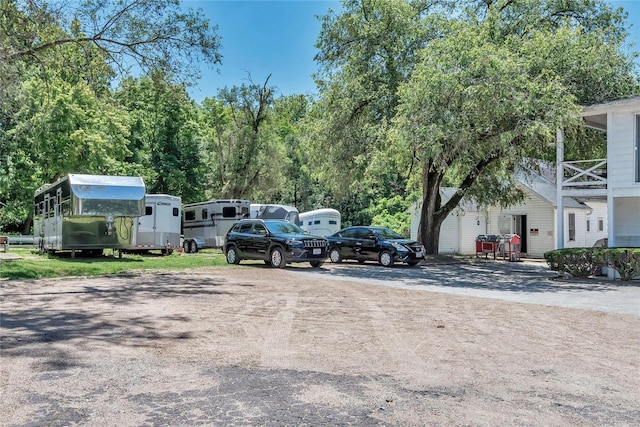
[
  {"x": 616, "y": 177},
  {"x": 534, "y": 220}
]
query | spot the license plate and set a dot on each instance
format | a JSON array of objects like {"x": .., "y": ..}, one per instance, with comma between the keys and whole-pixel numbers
[
  {"x": 419, "y": 254},
  {"x": 317, "y": 251}
]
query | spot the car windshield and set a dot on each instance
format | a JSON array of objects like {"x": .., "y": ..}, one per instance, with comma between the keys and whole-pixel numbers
[
  {"x": 386, "y": 233},
  {"x": 283, "y": 227}
]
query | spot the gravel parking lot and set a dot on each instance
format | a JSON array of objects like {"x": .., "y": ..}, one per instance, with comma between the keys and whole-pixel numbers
[{"x": 468, "y": 344}]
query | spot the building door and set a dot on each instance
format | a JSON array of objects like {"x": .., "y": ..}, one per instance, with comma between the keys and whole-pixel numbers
[{"x": 520, "y": 228}]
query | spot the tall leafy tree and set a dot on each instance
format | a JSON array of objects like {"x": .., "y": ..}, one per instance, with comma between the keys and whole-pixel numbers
[
  {"x": 240, "y": 146},
  {"x": 164, "y": 137},
  {"x": 460, "y": 100},
  {"x": 57, "y": 61}
]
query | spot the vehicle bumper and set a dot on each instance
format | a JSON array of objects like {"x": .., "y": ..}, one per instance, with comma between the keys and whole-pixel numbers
[
  {"x": 408, "y": 257},
  {"x": 306, "y": 255}
]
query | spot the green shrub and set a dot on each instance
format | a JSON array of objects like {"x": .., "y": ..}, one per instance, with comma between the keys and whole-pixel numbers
[
  {"x": 626, "y": 261},
  {"x": 585, "y": 262}
]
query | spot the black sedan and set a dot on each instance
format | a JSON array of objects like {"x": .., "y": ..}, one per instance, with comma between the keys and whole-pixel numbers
[
  {"x": 374, "y": 244},
  {"x": 276, "y": 242}
]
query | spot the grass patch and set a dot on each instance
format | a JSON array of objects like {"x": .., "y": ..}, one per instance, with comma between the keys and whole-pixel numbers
[{"x": 32, "y": 265}]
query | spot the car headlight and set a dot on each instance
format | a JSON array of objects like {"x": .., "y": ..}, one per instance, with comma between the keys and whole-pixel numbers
[
  {"x": 399, "y": 247},
  {"x": 293, "y": 243}
]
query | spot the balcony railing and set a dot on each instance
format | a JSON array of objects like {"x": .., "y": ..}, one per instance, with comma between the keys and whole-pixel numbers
[{"x": 587, "y": 174}]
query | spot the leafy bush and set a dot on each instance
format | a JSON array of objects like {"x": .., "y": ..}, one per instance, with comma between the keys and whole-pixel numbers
[
  {"x": 585, "y": 262},
  {"x": 626, "y": 262},
  {"x": 579, "y": 262}
]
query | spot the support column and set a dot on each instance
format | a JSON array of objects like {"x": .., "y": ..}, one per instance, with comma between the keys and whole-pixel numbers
[{"x": 559, "y": 198}]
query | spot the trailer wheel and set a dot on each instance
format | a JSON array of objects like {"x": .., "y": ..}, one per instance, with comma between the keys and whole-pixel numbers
[
  {"x": 316, "y": 264},
  {"x": 277, "y": 258}
]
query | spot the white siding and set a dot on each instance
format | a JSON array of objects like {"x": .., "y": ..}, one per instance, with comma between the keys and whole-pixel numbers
[
  {"x": 581, "y": 228},
  {"x": 540, "y": 216},
  {"x": 458, "y": 231},
  {"x": 449, "y": 236},
  {"x": 621, "y": 154},
  {"x": 541, "y": 224},
  {"x": 598, "y": 213},
  {"x": 471, "y": 225},
  {"x": 627, "y": 222}
]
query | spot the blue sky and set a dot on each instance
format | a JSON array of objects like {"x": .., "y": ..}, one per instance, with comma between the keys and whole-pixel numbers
[{"x": 277, "y": 37}]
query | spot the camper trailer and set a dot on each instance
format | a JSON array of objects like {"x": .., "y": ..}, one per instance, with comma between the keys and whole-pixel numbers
[
  {"x": 206, "y": 223},
  {"x": 159, "y": 227},
  {"x": 88, "y": 213},
  {"x": 322, "y": 222},
  {"x": 262, "y": 211}
]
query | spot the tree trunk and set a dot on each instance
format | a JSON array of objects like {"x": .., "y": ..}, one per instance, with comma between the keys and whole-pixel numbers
[{"x": 430, "y": 216}]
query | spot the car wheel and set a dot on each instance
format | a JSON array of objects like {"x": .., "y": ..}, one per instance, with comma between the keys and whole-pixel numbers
[
  {"x": 316, "y": 264},
  {"x": 277, "y": 258},
  {"x": 386, "y": 259},
  {"x": 334, "y": 255},
  {"x": 232, "y": 255}
]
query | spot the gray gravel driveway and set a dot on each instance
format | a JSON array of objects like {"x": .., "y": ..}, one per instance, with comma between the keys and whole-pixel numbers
[{"x": 526, "y": 282}]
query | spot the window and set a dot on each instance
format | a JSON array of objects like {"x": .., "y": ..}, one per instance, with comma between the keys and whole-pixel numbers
[
  {"x": 244, "y": 228},
  {"x": 600, "y": 224},
  {"x": 349, "y": 234},
  {"x": 176, "y": 212},
  {"x": 572, "y": 227},
  {"x": 363, "y": 233},
  {"x": 333, "y": 222},
  {"x": 259, "y": 229},
  {"x": 229, "y": 212},
  {"x": 148, "y": 210},
  {"x": 205, "y": 213},
  {"x": 317, "y": 221},
  {"x": 189, "y": 215},
  {"x": 588, "y": 225}
]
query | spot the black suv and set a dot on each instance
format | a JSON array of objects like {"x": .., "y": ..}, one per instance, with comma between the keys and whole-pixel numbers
[
  {"x": 374, "y": 244},
  {"x": 275, "y": 242}
]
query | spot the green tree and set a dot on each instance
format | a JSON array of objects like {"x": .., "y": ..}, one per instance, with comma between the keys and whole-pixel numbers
[
  {"x": 240, "y": 146},
  {"x": 164, "y": 137},
  {"x": 460, "y": 100}
]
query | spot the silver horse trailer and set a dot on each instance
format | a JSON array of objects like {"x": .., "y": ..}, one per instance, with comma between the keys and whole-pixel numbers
[
  {"x": 206, "y": 223},
  {"x": 89, "y": 213},
  {"x": 268, "y": 211},
  {"x": 159, "y": 227}
]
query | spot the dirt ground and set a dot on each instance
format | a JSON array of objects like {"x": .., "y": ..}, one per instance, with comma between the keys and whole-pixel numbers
[{"x": 249, "y": 345}]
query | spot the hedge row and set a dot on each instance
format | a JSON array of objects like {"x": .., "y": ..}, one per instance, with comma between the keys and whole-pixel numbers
[{"x": 585, "y": 262}]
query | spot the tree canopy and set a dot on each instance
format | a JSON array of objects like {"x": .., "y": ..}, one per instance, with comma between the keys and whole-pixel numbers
[{"x": 460, "y": 93}]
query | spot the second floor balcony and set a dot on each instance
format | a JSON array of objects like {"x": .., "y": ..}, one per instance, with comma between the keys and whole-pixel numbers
[{"x": 584, "y": 177}]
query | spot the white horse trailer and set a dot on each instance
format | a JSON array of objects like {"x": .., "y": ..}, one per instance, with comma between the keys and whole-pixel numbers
[
  {"x": 88, "y": 213},
  {"x": 159, "y": 228},
  {"x": 206, "y": 223},
  {"x": 267, "y": 211},
  {"x": 321, "y": 222}
]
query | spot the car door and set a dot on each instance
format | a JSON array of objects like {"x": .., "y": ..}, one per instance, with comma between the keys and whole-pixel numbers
[
  {"x": 347, "y": 243},
  {"x": 242, "y": 239},
  {"x": 366, "y": 244},
  {"x": 260, "y": 241}
]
